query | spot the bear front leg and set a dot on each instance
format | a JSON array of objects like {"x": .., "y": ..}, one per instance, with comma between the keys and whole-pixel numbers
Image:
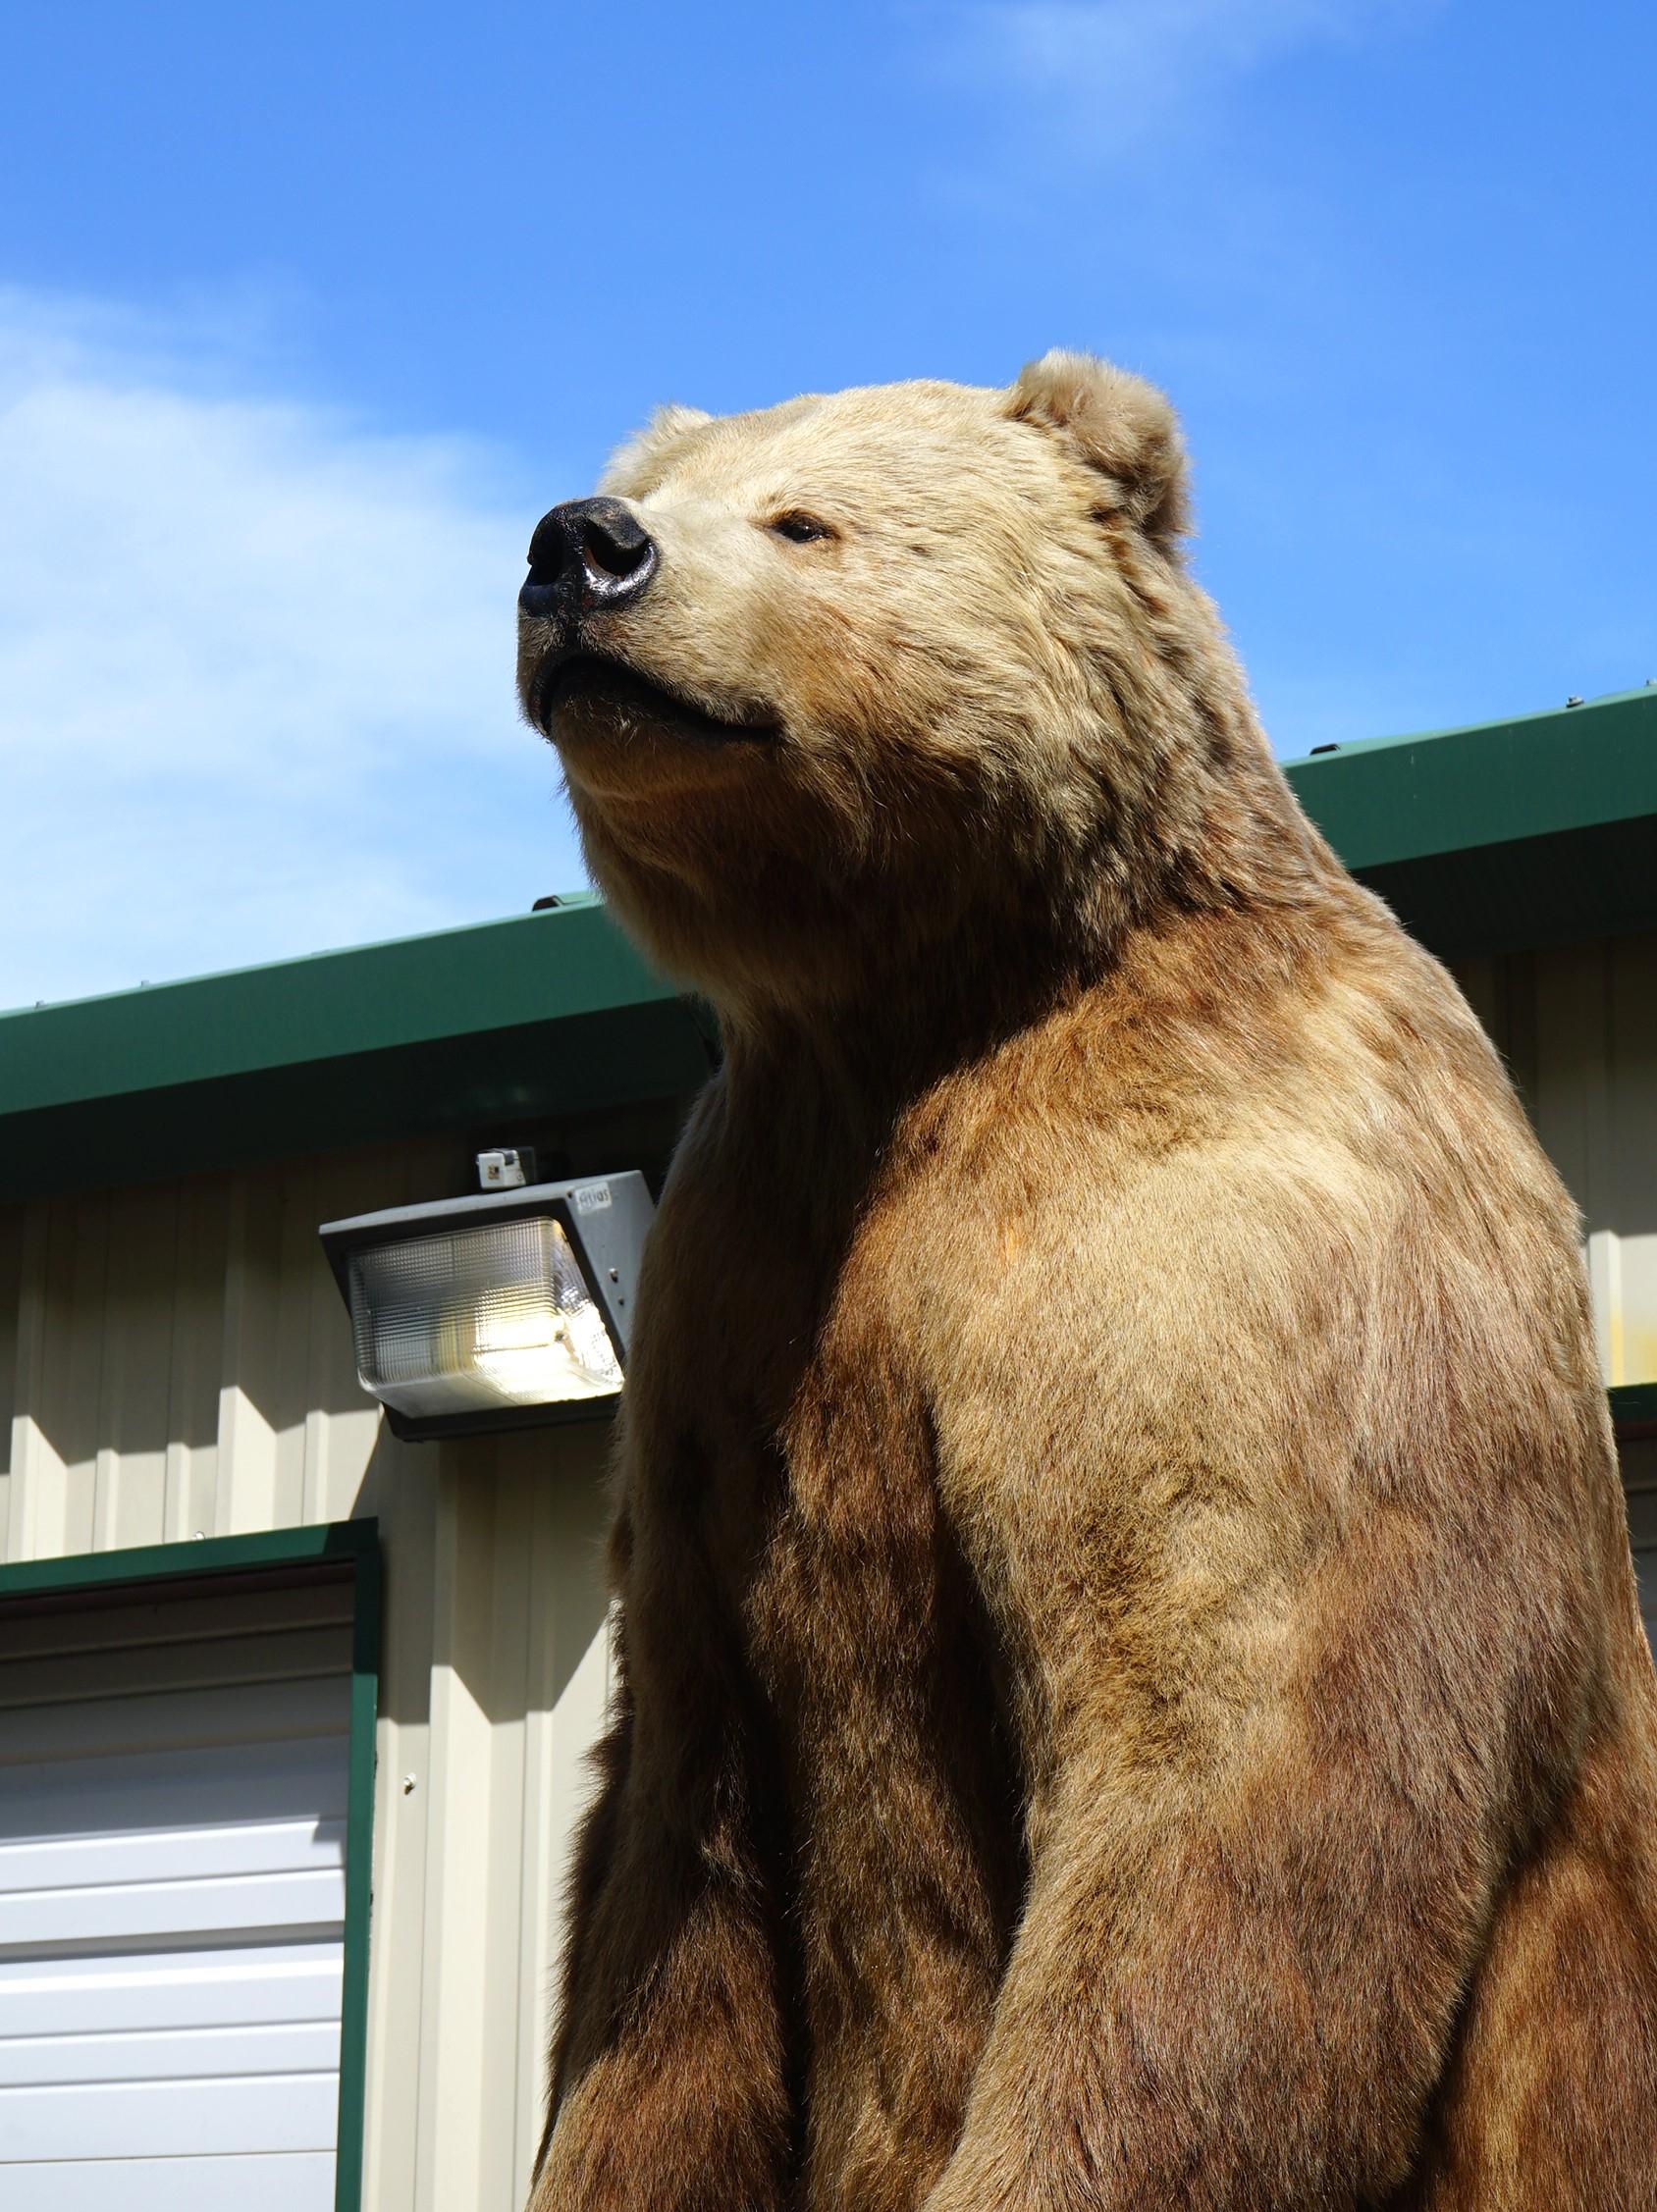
[
  {"x": 1266, "y": 1851},
  {"x": 669, "y": 2080}
]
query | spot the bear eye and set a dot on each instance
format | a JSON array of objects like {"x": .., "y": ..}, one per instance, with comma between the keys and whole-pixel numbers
[{"x": 800, "y": 528}]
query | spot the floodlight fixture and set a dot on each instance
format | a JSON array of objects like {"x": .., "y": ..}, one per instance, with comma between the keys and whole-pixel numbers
[{"x": 497, "y": 1311}]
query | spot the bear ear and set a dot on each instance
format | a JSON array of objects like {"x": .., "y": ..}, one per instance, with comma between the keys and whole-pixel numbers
[
  {"x": 634, "y": 458},
  {"x": 1122, "y": 425},
  {"x": 673, "y": 420}
]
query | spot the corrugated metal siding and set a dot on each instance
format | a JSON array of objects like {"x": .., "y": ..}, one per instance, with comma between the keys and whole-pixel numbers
[
  {"x": 1578, "y": 1026},
  {"x": 175, "y": 1361}
]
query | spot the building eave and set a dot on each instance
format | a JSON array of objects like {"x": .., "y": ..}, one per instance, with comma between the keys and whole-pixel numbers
[{"x": 1516, "y": 833}]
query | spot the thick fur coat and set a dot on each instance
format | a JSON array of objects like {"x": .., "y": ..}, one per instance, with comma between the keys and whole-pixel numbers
[{"x": 1131, "y": 1688}]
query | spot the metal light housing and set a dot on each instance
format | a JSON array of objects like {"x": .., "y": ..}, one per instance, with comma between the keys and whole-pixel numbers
[{"x": 496, "y": 1311}]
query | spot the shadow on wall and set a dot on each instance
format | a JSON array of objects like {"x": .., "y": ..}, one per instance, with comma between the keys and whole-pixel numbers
[
  {"x": 494, "y": 1570},
  {"x": 494, "y": 1681},
  {"x": 1578, "y": 1028}
]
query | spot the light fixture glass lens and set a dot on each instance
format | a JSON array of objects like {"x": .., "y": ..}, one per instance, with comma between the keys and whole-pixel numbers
[{"x": 469, "y": 1319}]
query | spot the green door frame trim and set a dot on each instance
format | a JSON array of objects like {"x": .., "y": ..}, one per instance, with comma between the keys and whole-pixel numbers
[
  {"x": 1633, "y": 1409},
  {"x": 356, "y": 1544}
]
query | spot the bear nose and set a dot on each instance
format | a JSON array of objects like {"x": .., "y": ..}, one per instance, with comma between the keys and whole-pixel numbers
[{"x": 587, "y": 554}]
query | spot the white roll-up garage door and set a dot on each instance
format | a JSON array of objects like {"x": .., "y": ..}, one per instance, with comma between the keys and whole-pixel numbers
[{"x": 173, "y": 1778}]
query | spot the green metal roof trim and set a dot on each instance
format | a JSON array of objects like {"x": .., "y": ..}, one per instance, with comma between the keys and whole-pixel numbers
[
  {"x": 568, "y": 961},
  {"x": 1395, "y": 799},
  {"x": 548, "y": 1016},
  {"x": 1510, "y": 833}
]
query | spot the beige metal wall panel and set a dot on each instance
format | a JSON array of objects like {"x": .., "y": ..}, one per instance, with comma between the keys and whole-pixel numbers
[
  {"x": 175, "y": 1361},
  {"x": 1578, "y": 1026}
]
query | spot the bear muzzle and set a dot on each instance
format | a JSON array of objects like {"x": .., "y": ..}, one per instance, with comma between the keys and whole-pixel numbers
[
  {"x": 594, "y": 558},
  {"x": 586, "y": 555}
]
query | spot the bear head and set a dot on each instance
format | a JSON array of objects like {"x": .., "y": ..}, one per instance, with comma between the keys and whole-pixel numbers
[{"x": 842, "y": 681}]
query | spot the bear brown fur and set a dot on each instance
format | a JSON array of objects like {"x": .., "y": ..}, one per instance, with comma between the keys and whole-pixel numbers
[{"x": 1132, "y": 1694}]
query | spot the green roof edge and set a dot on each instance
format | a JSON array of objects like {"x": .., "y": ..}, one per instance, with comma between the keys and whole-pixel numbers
[
  {"x": 489, "y": 975},
  {"x": 1388, "y": 800},
  {"x": 1449, "y": 825}
]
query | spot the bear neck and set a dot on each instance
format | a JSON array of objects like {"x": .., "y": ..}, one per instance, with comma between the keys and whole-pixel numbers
[{"x": 1238, "y": 880}]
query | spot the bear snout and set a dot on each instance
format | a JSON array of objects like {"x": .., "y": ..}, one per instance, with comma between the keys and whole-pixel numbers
[{"x": 586, "y": 554}]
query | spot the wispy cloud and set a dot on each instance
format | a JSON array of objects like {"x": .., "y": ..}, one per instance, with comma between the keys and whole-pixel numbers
[
  {"x": 255, "y": 666},
  {"x": 1112, "y": 75}
]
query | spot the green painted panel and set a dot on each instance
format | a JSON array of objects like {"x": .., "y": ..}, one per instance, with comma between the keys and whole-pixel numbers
[
  {"x": 1634, "y": 1408},
  {"x": 310, "y": 1546},
  {"x": 359, "y": 1871},
  {"x": 1556, "y": 890},
  {"x": 1400, "y": 798},
  {"x": 458, "y": 983},
  {"x": 497, "y": 1086}
]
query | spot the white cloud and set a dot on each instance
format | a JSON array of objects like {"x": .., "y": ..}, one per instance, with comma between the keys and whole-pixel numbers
[
  {"x": 255, "y": 667},
  {"x": 1113, "y": 74}
]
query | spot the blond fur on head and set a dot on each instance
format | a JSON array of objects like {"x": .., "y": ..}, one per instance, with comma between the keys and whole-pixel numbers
[
  {"x": 989, "y": 663},
  {"x": 648, "y": 446}
]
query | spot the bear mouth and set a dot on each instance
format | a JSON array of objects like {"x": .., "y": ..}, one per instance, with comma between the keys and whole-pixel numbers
[{"x": 591, "y": 685}]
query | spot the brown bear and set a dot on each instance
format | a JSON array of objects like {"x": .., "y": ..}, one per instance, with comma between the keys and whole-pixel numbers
[{"x": 1131, "y": 1694}]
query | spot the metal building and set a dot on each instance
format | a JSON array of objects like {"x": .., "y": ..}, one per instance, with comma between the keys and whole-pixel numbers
[{"x": 295, "y": 1715}]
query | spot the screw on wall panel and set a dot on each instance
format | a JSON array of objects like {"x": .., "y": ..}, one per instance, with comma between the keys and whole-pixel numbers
[{"x": 409, "y": 1785}]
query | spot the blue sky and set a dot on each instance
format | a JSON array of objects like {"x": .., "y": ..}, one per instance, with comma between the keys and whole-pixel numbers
[{"x": 306, "y": 313}]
